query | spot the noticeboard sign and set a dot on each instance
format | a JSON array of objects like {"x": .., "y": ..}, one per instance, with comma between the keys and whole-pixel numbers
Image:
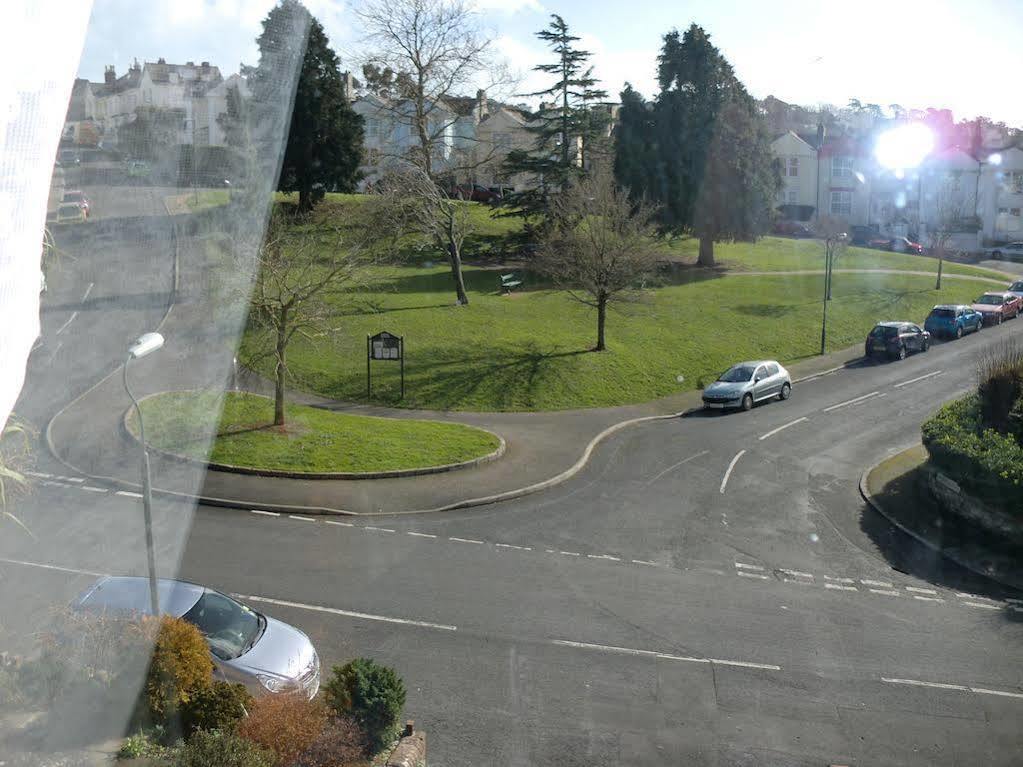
[{"x": 385, "y": 346}]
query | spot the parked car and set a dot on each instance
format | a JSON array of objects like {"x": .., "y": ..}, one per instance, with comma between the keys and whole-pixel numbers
[
  {"x": 744, "y": 384},
  {"x": 1016, "y": 289},
  {"x": 264, "y": 654},
  {"x": 792, "y": 229},
  {"x": 861, "y": 235},
  {"x": 1011, "y": 252},
  {"x": 77, "y": 196},
  {"x": 896, "y": 340},
  {"x": 68, "y": 157},
  {"x": 953, "y": 320},
  {"x": 138, "y": 169},
  {"x": 897, "y": 244},
  {"x": 474, "y": 193},
  {"x": 71, "y": 213},
  {"x": 999, "y": 306}
]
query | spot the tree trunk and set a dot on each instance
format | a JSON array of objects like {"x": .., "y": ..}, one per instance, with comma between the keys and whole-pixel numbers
[
  {"x": 937, "y": 285},
  {"x": 305, "y": 199},
  {"x": 601, "y": 318},
  {"x": 455, "y": 259},
  {"x": 281, "y": 368},
  {"x": 706, "y": 252}
]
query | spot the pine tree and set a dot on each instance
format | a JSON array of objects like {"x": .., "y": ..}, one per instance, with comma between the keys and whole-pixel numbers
[
  {"x": 565, "y": 128},
  {"x": 633, "y": 151}
]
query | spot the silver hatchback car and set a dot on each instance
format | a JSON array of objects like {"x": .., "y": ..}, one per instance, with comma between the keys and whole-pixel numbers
[
  {"x": 264, "y": 654},
  {"x": 744, "y": 384}
]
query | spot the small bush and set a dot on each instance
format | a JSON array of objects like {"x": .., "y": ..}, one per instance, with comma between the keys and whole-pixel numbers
[
  {"x": 287, "y": 725},
  {"x": 142, "y": 745},
  {"x": 221, "y": 749},
  {"x": 179, "y": 669},
  {"x": 218, "y": 707},
  {"x": 341, "y": 744},
  {"x": 372, "y": 693}
]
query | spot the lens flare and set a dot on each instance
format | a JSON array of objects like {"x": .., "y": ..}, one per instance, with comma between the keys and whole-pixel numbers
[{"x": 904, "y": 146}]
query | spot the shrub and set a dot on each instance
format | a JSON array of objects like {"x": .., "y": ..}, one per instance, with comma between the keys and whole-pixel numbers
[
  {"x": 1001, "y": 385},
  {"x": 142, "y": 745},
  {"x": 180, "y": 666},
  {"x": 372, "y": 693},
  {"x": 221, "y": 749},
  {"x": 287, "y": 725},
  {"x": 341, "y": 744},
  {"x": 218, "y": 707}
]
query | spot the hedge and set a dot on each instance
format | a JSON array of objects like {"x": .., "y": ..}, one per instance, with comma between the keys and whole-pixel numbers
[{"x": 985, "y": 463}]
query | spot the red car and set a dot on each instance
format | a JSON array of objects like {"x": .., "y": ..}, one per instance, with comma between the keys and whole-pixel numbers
[
  {"x": 474, "y": 193},
  {"x": 898, "y": 245},
  {"x": 997, "y": 307}
]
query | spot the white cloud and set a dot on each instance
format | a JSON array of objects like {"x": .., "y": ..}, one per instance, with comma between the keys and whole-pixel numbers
[{"x": 509, "y": 6}]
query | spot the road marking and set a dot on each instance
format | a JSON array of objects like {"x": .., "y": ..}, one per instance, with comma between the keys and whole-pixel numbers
[
  {"x": 128, "y": 494},
  {"x": 346, "y": 613},
  {"x": 339, "y": 524},
  {"x": 918, "y": 378},
  {"x": 797, "y": 580},
  {"x": 88, "y": 290},
  {"x": 851, "y": 401},
  {"x": 380, "y": 529},
  {"x": 300, "y": 518},
  {"x": 265, "y": 513},
  {"x": 421, "y": 535},
  {"x": 69, "y": 321},
  {"x": 985, "y": 691},
  {"x": 838, "y": 580},
  {"x": 465, "y": 540},
  {"x": 511, "y": 546},
  {"x": 976, "y": 597},
  {"x": 72, "y": 570},
  {"x": 42, "y": 474},
  {"x": 1013, "y": 601},
  {"x": 571, "y": 553},
  {"x": 982, "y": 605},
  {"x": 661, "y": 655},
  {"x": 731, "y": 466},
  {"x": 919, "y": 683},
  {"x": 840, "y": 587},
  {"x": 77, "y": 480},
  {"x": 644, "y": 562},
  {"x": 92, "y": 489},
  {"x": 918, "y": 590},
  {"x": 881, "y": 584},
  {"x": 758, "y": 576},
  {"x": 675, "y": 466},
  {"x": 604, "y": 556},
  {"x": 928, "y": 599},
  {"x": 796, "y": 573},
  {"x": 744, "y": 566},
  {"x": 782, "y": 428},
  {"x": 886, "y": 592}
]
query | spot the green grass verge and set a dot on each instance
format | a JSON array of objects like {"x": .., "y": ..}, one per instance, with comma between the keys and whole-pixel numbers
[
  {"x": 196, "y": 201},
  {"x": 314, "y": 440}
]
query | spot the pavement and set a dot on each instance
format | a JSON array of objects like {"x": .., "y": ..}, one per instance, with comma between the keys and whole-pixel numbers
[{"x": 706, "y": 590}]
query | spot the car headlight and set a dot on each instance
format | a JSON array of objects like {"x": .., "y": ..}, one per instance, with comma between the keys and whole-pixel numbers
[{"x": 275, "y": 684}]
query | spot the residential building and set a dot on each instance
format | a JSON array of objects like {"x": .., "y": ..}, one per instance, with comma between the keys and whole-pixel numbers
[
  {"x": 797, "y": 160},
  {"x": 1000, "y": 195},
  {"x": 846, "y": 169}
]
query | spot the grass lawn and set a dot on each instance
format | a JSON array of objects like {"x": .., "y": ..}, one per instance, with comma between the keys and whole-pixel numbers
[
  {"x": 314, "y": 440},
  {"x": 195, "y": 201}
]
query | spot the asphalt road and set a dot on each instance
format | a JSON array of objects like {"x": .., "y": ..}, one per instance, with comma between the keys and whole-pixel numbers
[{"x": 710, "y": 590}]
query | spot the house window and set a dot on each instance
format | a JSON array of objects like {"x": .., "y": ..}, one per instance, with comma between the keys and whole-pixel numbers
[
  {"x": 791, "y": 196},
  {"x": 148, "y": 95},
  {"x": 841, "y": 203},
  {"x": 792, "y": 166},
  {"x": 1014, "y": 181},
  {"x": 372, "y": 128},
  {"x": 841, "y": 166}
]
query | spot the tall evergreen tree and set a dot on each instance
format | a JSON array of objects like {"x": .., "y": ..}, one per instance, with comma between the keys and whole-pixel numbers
[
  {"x": 633, "y": 152},
  {"x": 708, "y": 153},
  {"x": 324, "y": 143},
  {"x": 565, "y": 128}
]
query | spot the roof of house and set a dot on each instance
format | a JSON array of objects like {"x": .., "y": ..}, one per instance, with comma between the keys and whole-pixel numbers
[
  {"x": 127, "y": 81},
  {"x": 160, "y": 71}
]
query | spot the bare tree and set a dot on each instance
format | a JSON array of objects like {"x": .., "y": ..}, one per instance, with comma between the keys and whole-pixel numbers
[
  {"x": 408, "y": 200},
  {"x": 950, "y": 218},
  {"x": 600, "y": 244},
  {"x": 297, "y": 272}
]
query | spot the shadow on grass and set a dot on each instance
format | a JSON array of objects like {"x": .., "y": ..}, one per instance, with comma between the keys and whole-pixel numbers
[{"x": 904, "y": 499}]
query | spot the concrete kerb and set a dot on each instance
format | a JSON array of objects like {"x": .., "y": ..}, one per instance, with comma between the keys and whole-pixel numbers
[
  {"x": 348, "y": 475},
  {"x": 876, "y": 506}
]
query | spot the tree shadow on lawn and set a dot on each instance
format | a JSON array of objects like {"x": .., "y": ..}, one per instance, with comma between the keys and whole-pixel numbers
[{"x": 908, "y": 555}]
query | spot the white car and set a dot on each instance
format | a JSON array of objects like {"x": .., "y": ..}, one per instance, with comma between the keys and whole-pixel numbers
[
  {"x": 1011, "y": 252},
  {"x": 1016, "y": 289}
]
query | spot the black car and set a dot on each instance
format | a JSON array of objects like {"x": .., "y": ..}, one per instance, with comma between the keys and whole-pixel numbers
[{"x": 897, "y": 339}]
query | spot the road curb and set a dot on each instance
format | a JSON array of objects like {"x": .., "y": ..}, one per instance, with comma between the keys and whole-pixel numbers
[{"x": 876, "y": 506}]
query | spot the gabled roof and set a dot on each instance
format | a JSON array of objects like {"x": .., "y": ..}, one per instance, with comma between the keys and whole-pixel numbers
[{"x": 797, "y": 137}]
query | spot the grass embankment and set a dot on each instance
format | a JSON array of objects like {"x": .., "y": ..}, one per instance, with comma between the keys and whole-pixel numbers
[
  {"x": 196, "y": 201},
  {"x": 314, "y": 440}
]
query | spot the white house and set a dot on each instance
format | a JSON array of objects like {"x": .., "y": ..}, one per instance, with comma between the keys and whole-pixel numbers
[
  {"x": 1000, "y": 195},
  {"x": 798, "y": 162}
]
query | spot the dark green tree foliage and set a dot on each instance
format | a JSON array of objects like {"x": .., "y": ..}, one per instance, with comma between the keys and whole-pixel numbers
[
  {"x": 324, "y": 139},
  {"x": 708, "y": 155},
  {"x": 373, "y": 694},
  {"x": 152, "y": 133},
  {"x": 632, "y": 156},
  {"x": 566, "y": 128}
]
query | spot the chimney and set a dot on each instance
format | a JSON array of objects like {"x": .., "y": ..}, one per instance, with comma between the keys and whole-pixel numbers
[
  {"x": 481, "y": 104},
  {"x": 109, "y": 76},
  {"x": 161, "y": 60},
  {"x": 189, "y": 63},
  {"x": 205, "y": 65},
  {"x": 348, "y": 86}
]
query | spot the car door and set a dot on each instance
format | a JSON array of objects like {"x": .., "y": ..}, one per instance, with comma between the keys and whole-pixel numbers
[
  {"x": 917, "y": 333},
  {"x": 775, "y": 378},
  {"x": 761, "y": 383}
]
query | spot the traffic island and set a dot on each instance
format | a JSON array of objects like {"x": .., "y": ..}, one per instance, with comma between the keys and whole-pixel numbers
[
  {"x": 235, "y": 432},
  {"x": 897, "y": 488}
]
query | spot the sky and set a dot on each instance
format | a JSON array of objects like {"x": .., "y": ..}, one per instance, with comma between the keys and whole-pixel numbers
[{"x": 963, "y": 55}]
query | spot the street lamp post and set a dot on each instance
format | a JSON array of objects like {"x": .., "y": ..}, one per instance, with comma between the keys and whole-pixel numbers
[
  {"x": 146, "y": 344},
  {"x": 830, "y": 244}
]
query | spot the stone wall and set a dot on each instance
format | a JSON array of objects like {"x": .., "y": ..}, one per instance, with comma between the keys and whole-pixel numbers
[
  {"x": 953, "y": 499},
  {"x": 411, "y": 749}
]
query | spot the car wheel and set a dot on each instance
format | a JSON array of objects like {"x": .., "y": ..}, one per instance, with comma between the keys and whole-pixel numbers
[
  {"x": 927, "y": 344},
  {"x": 959, "y": 331},
  {"x": 786, "y": 391},
  {"x": 901, "y": 354},
  {"x": 747, "y": 402}
]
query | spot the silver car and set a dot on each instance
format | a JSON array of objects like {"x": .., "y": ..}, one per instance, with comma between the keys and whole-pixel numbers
[
  {"x": 744, "y": 384},
  {"x": 264, "y": 654}
]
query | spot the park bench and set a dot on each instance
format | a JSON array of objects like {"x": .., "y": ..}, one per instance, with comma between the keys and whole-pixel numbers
[{"x": 508, "y": 282}]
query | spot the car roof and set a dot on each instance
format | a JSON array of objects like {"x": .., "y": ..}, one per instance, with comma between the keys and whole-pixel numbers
[
  {"x": 130, "y": 594},
  {"x": 949, "y": 306},
  {"x": 755, "y": 362},
  {"x": 893, "y": 323}
]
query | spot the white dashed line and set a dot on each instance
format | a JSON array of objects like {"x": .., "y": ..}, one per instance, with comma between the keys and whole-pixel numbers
[
  {"x": 661, "y": 655},
  {"x": 928, "y": 599},
  {"x": 840, "y": 587},
  {"x": 744, "y": 566},
  {"x": 975, "y": 597},
  {"x": 886, "y": 592},
  {"x": 782, "y": 428},
  {"x": 338, "y": 524},
  {"x": 347, "y": 613},
  {"x": 644, "y": 562},
  {"x": 918, "y": 378},
  {"x": 128, "y": 494},
  {"x": 851, "y": 401},
  {"x": 421, "y": 535},
  {"x": 511, "y": 546},
  {"x": 380, "y": 529},
  {"x": 919, "y": 683},
  {"x": 464, "y": 540},
  {"x": 1003, "y": 693},
  {"x": 76, "y": 480},
  {"x": 571, "y": 553},
  {"x": 58, "y": 568},
  {"x": 42, "y": 474},
  {"x": 88, "y": 290},
  {"x": 728, "y": 472},
  {"x": 833, "y": 579},
  {"x": 796, "y": 573},
  {"x": 918, "y": 590},
  {"x": 92, "y": 489},
  {"x": 69, "y": 321},
  {"x": 880, "y": 584},
  {"x": 604, "y": 556},
  {"x": 300, "y": 518},
  {"x": 265, "y": 513},
  {"x": 981, "y": 605},
  {"x": 758, "y": 576}
]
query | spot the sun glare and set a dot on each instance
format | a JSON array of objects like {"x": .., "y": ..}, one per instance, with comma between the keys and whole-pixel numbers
[{"x": 904, "y": 146}]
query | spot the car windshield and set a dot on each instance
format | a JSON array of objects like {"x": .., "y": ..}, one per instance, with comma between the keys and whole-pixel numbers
[
  {"x": 72, "y": 197},
  {"x": 738, "y": 373},
  {"x": 943, "y": 313},
  {"x": 1016, "y": 287},
  {"x": 229, "y": 627},
  {"x": 990, "y": 299}
]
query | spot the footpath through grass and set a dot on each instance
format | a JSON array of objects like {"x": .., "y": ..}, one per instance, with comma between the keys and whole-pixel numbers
[{"x": 314, "y": 440}]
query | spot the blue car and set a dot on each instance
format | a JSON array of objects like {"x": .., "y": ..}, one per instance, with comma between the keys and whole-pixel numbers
[{"x": 953, "y": 320}]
